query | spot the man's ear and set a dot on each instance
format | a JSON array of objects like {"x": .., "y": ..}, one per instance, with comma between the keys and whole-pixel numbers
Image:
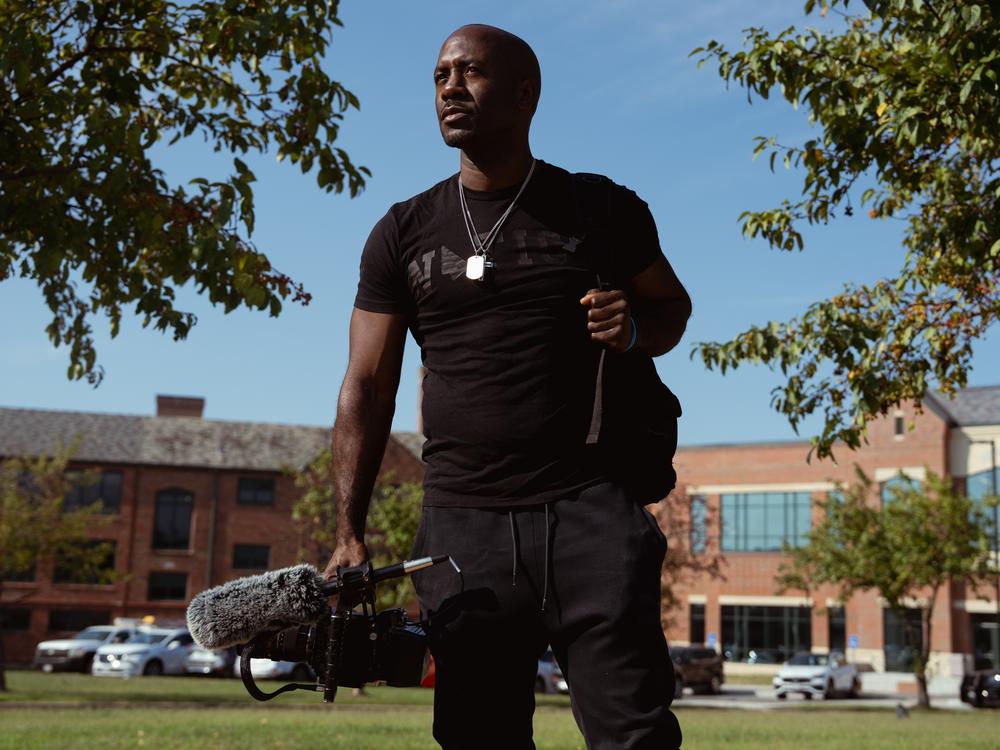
[{"x": 527, "y": 95}]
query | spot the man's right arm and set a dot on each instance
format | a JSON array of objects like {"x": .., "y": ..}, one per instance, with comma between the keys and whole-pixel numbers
[{"x": 364, "y": 417}]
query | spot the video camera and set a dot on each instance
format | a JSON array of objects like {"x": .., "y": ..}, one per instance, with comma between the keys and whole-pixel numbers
[{"x": 349, "y": 648}]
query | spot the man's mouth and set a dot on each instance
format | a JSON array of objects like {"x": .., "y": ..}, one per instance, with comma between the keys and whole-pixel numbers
[{"x": 451, "y": 115}]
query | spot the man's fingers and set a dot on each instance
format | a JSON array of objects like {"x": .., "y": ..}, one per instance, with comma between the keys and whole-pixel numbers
[
  {"x": 605, "y": 325},
  {"x": 597, "y": 298},
  {"x": 618, "y": 308}
]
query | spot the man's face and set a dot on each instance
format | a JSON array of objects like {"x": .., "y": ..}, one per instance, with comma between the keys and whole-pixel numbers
[{"x": 475, "y": 93}]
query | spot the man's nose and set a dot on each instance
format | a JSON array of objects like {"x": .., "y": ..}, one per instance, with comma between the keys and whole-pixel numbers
[{"x": 453, "y": 86}]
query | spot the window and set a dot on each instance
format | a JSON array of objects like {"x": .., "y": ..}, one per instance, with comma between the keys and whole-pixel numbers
[
  {"x": 167, "y": 586},
  {"x": 985, "y": 640},
  {"x": 254, "y": 491},
  {"x": 903, "y": 638},
  {"x": 979, "y": 487},
  {"x": 173, "y": 520},
  {"x": 699, "y": 524},
  {"x": 77, "y": 619},
  {"x": 15, "y": 619},
  {"x": 697, "y": 627},
  {"x": 251, "y": 556},
  {"x": 765, "y": 520},
  {"x": 88, "y": 562},
  {"x": 85, "y": 489},
  {"x": 765, "y": 635},
  {"x": 836, "y": 629},
  {"x": 19, "y": 576},
  {"x": 890, "y": 487},
  {"x": 899, "y": 426}
]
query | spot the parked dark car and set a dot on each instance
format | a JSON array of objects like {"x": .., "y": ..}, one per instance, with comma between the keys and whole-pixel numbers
[
  {"x": 981, "y": 689},
  {"x": 697, "y": 667}
]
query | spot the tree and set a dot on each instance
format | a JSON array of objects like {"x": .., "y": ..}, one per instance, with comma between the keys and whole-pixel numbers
[
  {"x": 905, "y": 98},
  {"x": 685, "y": 521},
  {"x": 921, "y": 539},
  {"x": 393, "y": 520},
  {"x": 88, "y": 87},
  {"x": 36, "y": 527}
]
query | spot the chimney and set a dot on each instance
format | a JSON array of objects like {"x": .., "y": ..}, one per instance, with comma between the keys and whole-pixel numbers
[{"x": 179, "y": 406}]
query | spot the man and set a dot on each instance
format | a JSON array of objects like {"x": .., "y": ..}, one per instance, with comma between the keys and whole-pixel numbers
[{"x": 491, "y": 272}]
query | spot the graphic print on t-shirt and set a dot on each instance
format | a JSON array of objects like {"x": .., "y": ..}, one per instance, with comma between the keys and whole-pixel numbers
[{"x": 530, "y": 245}]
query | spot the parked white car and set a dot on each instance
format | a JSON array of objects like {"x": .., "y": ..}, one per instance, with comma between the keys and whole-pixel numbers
[
  {"x": 826, "y": 675},
  {"x": 151, "y": 651},
  {"x": 77, "y": 653},
  {"x": 265, "y": 669}
]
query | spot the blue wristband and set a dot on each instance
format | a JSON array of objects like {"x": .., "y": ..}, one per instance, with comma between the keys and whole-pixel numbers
[{"x": 635, "y": 335}]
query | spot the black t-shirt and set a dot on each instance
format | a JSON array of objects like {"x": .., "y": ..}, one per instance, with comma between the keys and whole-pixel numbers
[{"x": 510, "y": 367}]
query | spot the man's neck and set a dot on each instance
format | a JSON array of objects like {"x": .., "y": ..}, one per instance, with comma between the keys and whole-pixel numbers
[{"x": 495, "y": 173}]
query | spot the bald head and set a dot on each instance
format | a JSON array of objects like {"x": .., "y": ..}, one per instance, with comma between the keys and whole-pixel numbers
[{"x": 510, "y": 51}]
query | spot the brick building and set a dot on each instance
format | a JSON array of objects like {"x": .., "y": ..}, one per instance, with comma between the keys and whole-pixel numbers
[
  {"x": 198, "y": 502},
  {"x": 193, "y": 502},
  {"x": 746, "y": 499}
]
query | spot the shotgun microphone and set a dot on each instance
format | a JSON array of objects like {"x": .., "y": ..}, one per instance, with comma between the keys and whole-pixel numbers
[{"x": 237, "y": 611}]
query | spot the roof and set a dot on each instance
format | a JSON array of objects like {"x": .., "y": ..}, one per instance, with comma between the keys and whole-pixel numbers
[
  {"x": 168, "y": 441},
  {"x": 970, "y": 406}
]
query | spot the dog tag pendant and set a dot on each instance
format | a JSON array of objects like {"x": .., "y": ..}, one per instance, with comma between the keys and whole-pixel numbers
[{"x": 475, "y": 267}]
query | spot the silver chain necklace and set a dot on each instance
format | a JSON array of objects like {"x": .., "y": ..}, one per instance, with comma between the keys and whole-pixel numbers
[{"x": 475, "y": 267}]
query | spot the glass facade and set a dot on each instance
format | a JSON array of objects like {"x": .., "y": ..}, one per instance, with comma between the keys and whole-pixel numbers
[
  {"x": 697, "y": 625},
  {"x": 757, "y": 521},
  {"x": 699, "y": 524},
  {"x": 836, "y": 629},
  {"x": 173, "y": 520},
  {"x": 903, "y": 634},
  {"x": 979, "y": 487},
  {"x": 985, "y": 640},
  {"x": 765, "y": 635},
  {"x": 889, "y": 487}
]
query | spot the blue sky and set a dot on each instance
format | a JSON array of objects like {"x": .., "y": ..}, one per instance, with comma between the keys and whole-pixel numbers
[{"x": 620, "y": 96}]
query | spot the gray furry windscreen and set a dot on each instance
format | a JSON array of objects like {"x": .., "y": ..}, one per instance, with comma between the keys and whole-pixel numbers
[{"x": 235, "y": 612}]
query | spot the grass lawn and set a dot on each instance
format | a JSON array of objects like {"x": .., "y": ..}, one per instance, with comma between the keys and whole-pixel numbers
[{"x": 397, "y": 719}]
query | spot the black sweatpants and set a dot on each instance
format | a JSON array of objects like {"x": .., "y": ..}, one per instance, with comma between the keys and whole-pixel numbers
[{"x": 581, "y": 574}]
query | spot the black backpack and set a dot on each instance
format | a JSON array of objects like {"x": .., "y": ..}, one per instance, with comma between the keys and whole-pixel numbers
[{"x": 634, "y": 419}]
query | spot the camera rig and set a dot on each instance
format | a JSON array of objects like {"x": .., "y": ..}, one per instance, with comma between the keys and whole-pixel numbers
[{"x": 354, "y": 645}]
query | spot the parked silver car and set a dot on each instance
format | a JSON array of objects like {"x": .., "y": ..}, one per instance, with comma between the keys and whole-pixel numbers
[
  {"x": 208, "y": 661},
  {"x": 550, "y": 677},
  {"x": 151, "y": 651}
]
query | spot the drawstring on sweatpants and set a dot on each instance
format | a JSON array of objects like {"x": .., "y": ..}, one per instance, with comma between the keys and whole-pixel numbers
[
  {"x": 545, "y": 584},
  {"x": 513, "y": 539}
]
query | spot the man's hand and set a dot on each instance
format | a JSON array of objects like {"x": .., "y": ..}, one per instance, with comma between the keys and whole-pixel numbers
[
  {"x": 346, "y": 555},
  {"x": 609, "y": 318}
]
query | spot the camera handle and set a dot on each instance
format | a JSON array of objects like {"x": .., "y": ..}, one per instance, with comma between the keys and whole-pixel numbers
[
  {"x": 356, "y": 585},
  {"x": 247, "y": 675}
]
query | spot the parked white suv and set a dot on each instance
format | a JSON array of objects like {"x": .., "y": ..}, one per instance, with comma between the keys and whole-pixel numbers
[
  {"x": 151, "y": 651},
  {"x": 77, "y": 653},
  {"x": 826, "y": 675}
]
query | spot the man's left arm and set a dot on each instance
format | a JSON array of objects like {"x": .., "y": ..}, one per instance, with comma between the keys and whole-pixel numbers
[{"x": 654, "y": 305}]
